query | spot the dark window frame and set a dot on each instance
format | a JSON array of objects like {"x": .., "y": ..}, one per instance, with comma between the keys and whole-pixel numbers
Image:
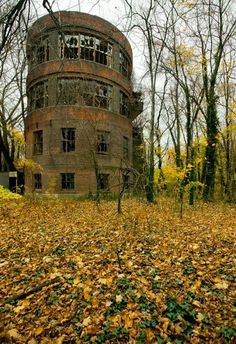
[
  {"x": 70, "y": 46},
  {"x": 124, "y": 104},
  {"x": 67, "y": 181},
  {"x": 40, "y": 51},
  {"x": 38, "y": 95},
  {"x": 89, "y": 47},
  {"x": 125, "y": 147},
  {"x": 103, "y": 142},
  {"x": 103, "y": 181},
  {"x": 38, "y": 142},
  {"x": 125, "y": 65},
  {"x": 68, "y": 139},
  {"x": 37, "y": 181},
  {"x": 84, "y": 92}
]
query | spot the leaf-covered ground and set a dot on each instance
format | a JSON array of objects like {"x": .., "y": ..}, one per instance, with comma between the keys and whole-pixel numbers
[{"x": 74, "y": 272}]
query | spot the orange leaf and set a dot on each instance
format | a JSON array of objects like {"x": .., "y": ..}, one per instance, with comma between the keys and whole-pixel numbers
[{"x": 38, "y": 331}]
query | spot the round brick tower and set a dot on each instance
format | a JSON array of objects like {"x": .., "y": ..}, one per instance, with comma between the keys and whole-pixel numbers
[{"x": 80, "y": 105}]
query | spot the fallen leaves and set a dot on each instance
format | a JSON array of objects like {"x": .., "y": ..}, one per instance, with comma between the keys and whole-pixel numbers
[
  {"x": 141, "y": 277},
  {"x": 221, "y": 285},
  {"x": 119, "y": 298}
]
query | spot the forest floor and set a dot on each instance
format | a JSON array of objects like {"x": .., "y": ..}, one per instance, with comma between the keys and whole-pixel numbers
[{"x": 77, "y": 272}]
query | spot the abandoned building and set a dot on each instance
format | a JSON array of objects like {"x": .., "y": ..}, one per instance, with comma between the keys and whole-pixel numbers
[{"x": 80, "y": 105}]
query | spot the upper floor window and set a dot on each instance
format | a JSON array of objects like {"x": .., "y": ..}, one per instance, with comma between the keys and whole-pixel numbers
[
  {"x": 38, "y": 142},
  {"x": 86, "y": 47},
  {"x": 124, "y": 65},
  {"x": 103, "y": 52},
  {"x": 124, "y": 104},
  {"x": 76, "y": 91},
  {"x": 39, "y": 52},
  {"x": 102, "y": 95},
  {"x": 67, "y": 181},
  {"x": 68, "y": 139},
  {"x": 70, "y": 46},
  {"x": 38, "y": 95},
  {"x": 42, "y": 52},
  {"x": 37, "y": 181},
  {"x": 103, "y": 138},
  {"x": 68, "y": 92}
]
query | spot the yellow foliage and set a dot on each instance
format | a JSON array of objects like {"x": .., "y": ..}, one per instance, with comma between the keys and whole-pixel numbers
[
  {"x": 184, "y": 57},
  {"x": 7, "y": 194},
  {"x": 18, "y": 136},
  {"x": 29, "y": 164}
]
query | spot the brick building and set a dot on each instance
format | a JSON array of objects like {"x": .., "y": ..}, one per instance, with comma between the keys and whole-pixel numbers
[{"x": 81, "y": 105}]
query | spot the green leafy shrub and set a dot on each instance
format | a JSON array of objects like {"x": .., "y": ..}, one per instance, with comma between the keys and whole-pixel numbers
[{"x": 7, "y": 194}]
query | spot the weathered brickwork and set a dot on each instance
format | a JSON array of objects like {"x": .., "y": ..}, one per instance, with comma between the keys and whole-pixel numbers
[{"x": 81, "y": 105}]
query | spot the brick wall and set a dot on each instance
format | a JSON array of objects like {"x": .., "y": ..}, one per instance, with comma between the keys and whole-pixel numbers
[{"x": 86, "y": 120}]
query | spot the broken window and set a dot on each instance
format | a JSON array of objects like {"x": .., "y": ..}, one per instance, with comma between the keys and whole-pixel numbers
[
  {"x": 103, "y": 142},
  {"x": 38, "y": 142},
  {"x": 68, "y": 92},
  {"x": 103, "y": 52},
  {"x": 68, "y": 139},
  {"x": 77, "y": 91},
  {"x": 109, "y": 55},
  {"x": 38, "y": 95},
  {"x": 86, "y": 47},
  {"x": 103, "y": 181},
  {"x": 124, "y": 65},
  {"x": 67, "y": 181},
  {"x": 103, "y": 95},
  {"x": 125, "y": 147},
  {"x": 70, "y": 46},
  {"x": 37, "y": 181},
  {"x": 87, "y": 44},
  {"x": 124, "y": 104},
  {"x": 88, "y": 92},
  {"x": 40, "y": 51}
]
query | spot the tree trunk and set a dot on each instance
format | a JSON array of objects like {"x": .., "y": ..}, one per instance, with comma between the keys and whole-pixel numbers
[
  {"x": 7, "y": 158},
  {"x": 209, "y": 166}
]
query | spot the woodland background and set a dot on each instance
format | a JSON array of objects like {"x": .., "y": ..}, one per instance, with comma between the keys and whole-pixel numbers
[
  {"x": 186, "y": 76},
  {"x": 155, "y": 268}
]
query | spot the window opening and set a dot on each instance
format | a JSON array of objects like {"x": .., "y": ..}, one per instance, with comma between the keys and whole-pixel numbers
[
  {"x": 88, "y": 92},
  {"x": 40, "y": 51},
  {"x": 67, "y": 181},
  {"x": 124, "y": 104},
  {"x": 125, "y": 147},
  {"x": 124, "y": 65},
  {"x": 69, "y": 91},
  {"x": 71, "y": 48},
  {"x": 101, "y": 51},
  {"x": 103, "y": 142},
  {"x": 103, "y": 96},
  {"x": 38, "y": 96},
  {"x": 76, "y": 91},
  {"x": 37, "y": 181},
  {"x": 38, "y": 141},
  {"x": 68, "y": 139},
  {"x": 103, "y": 181},
  {"x": 87, "y": 47}
]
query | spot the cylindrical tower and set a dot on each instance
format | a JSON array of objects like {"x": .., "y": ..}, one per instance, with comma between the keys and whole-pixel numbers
[{"x": 81, "y": 105}]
